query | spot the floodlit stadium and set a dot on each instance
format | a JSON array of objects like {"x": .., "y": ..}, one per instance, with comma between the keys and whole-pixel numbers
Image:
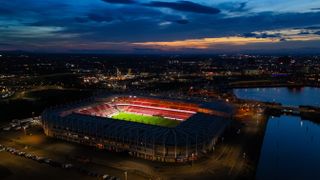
[{"x": 146, "y": 127}]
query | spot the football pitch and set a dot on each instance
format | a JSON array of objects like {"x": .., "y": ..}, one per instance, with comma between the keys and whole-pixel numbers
[{"x": 152, "y": 120}]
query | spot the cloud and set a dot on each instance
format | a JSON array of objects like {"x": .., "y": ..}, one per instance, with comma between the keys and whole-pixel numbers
[
  {"x": 6, "y": 11},
  {"x": 291, "y": 34},
  {"x": 165, "y": 23},
  {"x": 304, "y": 33},
  {"x": 312, "y": 27},
  {"x": 250, "y": 34},
  {"x": 315, "y": 9},
  {"x": 81, "y": 19},
  {"x": 205, "y": 43},
  {"x": 283, "y": 39},
  {"x": 139, "y": 23},
  {"x": 185, "y": 6},
  {"x": 261, "y": 35},
  {"x": 36, "y": 24},
  {"x": 234, "y": 6},
  {"x": 99, "y": 18},
  {"x": 182, "y": 21},
  {"x": 241, "y": 6},
  {"x": 120, "y": 1},
  {"x": 5, "y": 44},
  {"x": 265, "y": 35},
  {"x": 247, "y": 39}
]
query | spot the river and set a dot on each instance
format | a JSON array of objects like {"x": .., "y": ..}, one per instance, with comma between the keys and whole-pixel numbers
[
  {"x": 291, "y": 146},
  {"x": 286, "y": 96}
]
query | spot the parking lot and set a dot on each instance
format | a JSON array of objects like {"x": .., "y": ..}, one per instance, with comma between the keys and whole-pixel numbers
[{"x": 26, "y": 152}]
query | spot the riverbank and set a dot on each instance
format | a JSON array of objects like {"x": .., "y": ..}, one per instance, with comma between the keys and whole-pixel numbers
[
  {"x": 303, "y": 102},
  {"x": 290, "y": 144},
  {"x": 269, "y": 84}
]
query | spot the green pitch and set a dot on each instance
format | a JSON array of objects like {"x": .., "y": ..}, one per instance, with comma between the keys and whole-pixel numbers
[{"x": 153, "y": 120}]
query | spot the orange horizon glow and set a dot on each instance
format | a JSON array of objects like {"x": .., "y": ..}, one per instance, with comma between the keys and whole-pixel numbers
[{"x": 205, "y": 43}]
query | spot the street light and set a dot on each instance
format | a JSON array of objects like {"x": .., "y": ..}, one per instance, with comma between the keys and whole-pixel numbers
[
  {"x": 125, "y": 175},
  {"x": 24, "y": 130}
]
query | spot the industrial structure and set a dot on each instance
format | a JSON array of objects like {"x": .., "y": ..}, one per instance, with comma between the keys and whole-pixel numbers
[{"x": 145, "y": 127}]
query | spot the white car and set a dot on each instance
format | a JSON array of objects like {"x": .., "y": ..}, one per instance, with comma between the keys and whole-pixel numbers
[
  {"x": 7, "y": 128},
  {"x": 105, "y": 176},
  {"x": 67, "y": 166}
]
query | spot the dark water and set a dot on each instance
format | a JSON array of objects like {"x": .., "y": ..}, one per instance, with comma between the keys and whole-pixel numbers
[
  {"x": 290, "y": 150},
  {"x": 283, "y": 95},
  {"x": 291, "y": 147}
]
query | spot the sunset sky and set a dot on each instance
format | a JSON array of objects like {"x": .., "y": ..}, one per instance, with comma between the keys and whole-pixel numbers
[{"x": 143, "y": 26}]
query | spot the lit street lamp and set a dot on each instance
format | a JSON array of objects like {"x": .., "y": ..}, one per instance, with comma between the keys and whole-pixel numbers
[{"x": 125, "y": 175}]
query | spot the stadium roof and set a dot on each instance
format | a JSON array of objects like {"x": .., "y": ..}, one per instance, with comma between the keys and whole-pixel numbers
[{"x": 197, "y": 129}]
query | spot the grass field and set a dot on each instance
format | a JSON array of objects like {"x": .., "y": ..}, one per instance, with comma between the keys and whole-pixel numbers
[{"x": 153, "y": 120}]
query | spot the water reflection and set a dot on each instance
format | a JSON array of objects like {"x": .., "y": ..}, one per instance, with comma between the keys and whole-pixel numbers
[
  {"x": 286, "y": 96},
  {"x": 291, "y": 147},
  {"x": 291, "y": 150}
]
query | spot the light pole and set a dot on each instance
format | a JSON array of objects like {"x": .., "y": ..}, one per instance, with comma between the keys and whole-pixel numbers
[
  {"x": 125, "y": 175},
  {"x": 25, "y": 131},
  {"x": 192, "y": 159}
]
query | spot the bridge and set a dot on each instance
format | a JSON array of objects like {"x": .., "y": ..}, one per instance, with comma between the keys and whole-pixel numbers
[{"x": 277, "y": 109}]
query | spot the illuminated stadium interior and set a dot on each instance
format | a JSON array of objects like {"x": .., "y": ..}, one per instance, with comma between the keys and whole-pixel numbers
[
  {"x": 142, "y": 110},
  {"x": 147, "y": 127}
]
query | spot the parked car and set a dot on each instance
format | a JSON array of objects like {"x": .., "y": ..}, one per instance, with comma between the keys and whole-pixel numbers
[
  {"x": 39, "y": 159},
  {"x": 21, "y": 153},
  {"x": 67, "y": 166},
  {"x": 47, "y": 160},
  {"x": 105, "y": 176}
]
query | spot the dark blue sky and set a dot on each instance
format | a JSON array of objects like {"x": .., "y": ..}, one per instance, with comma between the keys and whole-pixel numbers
[{"x": 138, "y": 26}]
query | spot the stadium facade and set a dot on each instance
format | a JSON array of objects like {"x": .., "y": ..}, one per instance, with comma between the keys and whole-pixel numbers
[{"x": 194, "y": 132}]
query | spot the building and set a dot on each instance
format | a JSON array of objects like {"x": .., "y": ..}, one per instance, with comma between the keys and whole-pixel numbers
[{"x": 146, "y": 127}]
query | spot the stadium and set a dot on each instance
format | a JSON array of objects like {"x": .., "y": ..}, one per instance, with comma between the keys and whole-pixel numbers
[{"x": 146, "y": 127}]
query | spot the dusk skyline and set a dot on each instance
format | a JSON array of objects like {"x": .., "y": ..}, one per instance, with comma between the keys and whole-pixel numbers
[
  {"x": 141, "y": 26},
  {"x": 159, "y": 89}
]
